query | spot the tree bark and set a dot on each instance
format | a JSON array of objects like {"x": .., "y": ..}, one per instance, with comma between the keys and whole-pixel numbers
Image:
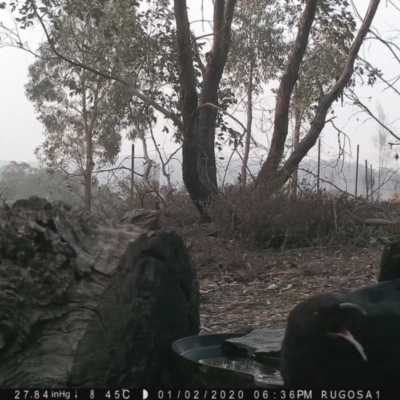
[
  {"x": 249, "y": 125},
  {"x": 87, "y": 177},
  {"x": 88, "y": 306},
  {"x": 366, "y": 180},
  {"x": 270, "y": 177},
  {"x": 88, "y": 124},
  {"x": 289, "y": 78},
  {"x": 296, "y": 140},
  {"x": 371, "y": 183},
  {"x": 87, "y": 174},
  {"x": 198, "y": 152}
]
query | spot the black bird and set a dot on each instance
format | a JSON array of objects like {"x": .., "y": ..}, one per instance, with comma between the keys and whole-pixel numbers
[
  {"x": 342, "y": 340},
  {"x": 389, "y": 266}
]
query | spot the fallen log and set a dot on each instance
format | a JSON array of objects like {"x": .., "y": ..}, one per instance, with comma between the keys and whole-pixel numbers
[
  {"x": 148, "y": 219},
  {"x": 88, "y": 306}
]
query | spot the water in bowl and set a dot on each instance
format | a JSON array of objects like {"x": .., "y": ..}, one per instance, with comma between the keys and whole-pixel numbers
[{"x": 264, "y": 374}]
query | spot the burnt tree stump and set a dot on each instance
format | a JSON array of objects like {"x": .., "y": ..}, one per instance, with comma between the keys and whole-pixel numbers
[{"x": 87, "y": 306}]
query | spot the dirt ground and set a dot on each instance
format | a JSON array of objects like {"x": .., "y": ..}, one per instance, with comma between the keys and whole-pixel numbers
[{"x": 242, "y": 291}]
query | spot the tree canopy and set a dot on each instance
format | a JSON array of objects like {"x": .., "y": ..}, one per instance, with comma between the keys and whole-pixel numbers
[{"x": 150, "y": 49}]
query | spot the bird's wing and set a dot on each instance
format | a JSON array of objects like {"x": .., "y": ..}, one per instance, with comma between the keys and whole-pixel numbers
[{"x": 382, "y": 292}]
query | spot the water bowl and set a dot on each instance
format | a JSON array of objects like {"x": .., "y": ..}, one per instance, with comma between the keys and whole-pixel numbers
[{"x": 206, "y": 362}]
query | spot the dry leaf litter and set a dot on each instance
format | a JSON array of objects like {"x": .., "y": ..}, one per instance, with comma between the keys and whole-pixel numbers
[{"x": 245, "y": 290}]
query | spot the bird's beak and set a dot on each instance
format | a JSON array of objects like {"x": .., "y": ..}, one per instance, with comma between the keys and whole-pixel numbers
[
  {"x": 345, "y": 334},
  {"x": 353, "y": 306}
]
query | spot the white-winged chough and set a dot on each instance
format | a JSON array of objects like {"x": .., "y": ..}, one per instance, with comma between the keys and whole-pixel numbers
[{"x": 345, "y": 340}]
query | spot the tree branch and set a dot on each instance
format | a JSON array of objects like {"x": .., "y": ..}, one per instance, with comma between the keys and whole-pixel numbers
[
  {"x": 285, "y": 90},
  {"x": 108, "y": 75},
  {"x": 319, "y": 121},
  {"x": 363, "y": 107},
  {"x": 187, "y": 78},
  {"x": 223, "y": 15},
  {"x": 351, "y": 57}
]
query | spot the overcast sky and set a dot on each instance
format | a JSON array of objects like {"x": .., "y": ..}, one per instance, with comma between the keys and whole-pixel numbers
[{"x": 21, "y": 133}]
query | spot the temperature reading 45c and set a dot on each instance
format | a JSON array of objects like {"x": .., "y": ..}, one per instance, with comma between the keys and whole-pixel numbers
[{"x": 122, "y": 394}]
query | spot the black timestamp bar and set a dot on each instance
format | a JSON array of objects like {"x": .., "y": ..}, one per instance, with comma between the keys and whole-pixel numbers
[
  {"x": 198, "y": 394},
  {"x": 71, "y": 394},
  {"x": 271, "y": 394}
]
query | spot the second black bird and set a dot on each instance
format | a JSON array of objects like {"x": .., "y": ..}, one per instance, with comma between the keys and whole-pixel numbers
[{"x": 389, "y": 266}]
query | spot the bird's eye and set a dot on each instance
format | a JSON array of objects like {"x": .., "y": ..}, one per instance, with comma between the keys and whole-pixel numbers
[{"x": 316, "y": 315}]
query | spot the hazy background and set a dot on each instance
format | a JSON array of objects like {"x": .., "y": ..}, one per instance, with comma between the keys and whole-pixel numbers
[{"x": 21, "y": 133}]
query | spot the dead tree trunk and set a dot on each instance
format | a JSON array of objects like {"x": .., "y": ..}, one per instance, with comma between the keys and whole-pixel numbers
[
  {"x": 366, "y": 180},
  {"x": 371, "y": 183},
  {"x": 249, "y": 125},
  {"x": 88, "y": 123},
  {"x": 86, "y": 306},
  {"x": 296, "y": 141}
]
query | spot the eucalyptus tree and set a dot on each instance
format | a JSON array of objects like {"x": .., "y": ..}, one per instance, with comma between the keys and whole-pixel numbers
[
  {"x": 257, "y": 56},
  {"x": 328, "y": 46},
  {"x": 324, "y": 25},
  {"x": 83, "y": 113}
]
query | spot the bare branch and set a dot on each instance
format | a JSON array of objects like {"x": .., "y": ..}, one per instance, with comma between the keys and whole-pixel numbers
[
  {"x": 360, "y": 104},
  {"x": 223, "y": 111}
]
